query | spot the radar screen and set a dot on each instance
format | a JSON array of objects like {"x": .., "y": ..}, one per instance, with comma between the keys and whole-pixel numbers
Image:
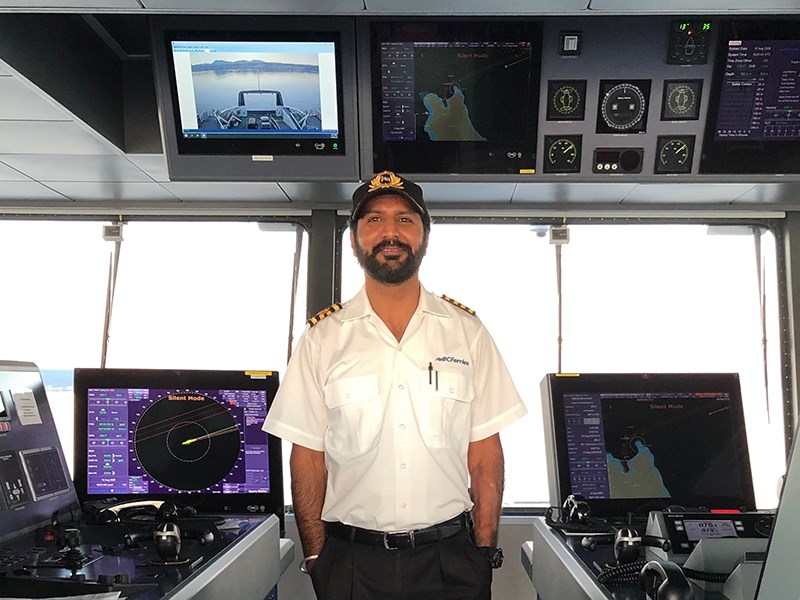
[
  {"x": 566, "y": 100},
  {"x": 623, "y": 106},
  {"x": 681, "y": 100}
]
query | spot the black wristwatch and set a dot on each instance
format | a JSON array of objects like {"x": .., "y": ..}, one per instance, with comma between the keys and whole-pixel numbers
[{"x": 493, "y": 555}]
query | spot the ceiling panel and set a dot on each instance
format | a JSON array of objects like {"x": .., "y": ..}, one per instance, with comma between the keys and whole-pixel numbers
[
  {"x": 464, "y": 7},
  {"x": 227, "y": 192},
  {"x": 21, "y": 101},
  {"x": 327, "y": 192},
  {"x": 24, "y": 191},
  {"x": 76, "y": 167},
  {"x": 155, "y": 165},
  {"x": 686, "y": 193},
  {"x": 297, "y": 7},
  {"x": 772, "y": 193},
  {"x": 676, "y": 7},
  {"x": 71, "y": 4},
  {"x": 609, "y": 193},
  {"x": 112, "y": 192},
  {"x": 9, "y": 174},
  {"x": 61, "y": 137}
]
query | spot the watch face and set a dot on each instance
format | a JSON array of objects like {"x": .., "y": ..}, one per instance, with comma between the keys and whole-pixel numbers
[{"x": 674, "y": 154}]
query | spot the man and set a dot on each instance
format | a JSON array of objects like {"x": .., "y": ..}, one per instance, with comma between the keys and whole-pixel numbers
[{"x": 393, "y": 403}]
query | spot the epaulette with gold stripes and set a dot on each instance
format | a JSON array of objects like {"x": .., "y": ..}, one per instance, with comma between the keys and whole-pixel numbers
[
  {"x": 463, "y": 307},
  {"x": 325, "y": 312}
]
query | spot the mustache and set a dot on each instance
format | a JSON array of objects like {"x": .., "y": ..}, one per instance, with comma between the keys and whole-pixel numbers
[{"x": 391, "y": 243}]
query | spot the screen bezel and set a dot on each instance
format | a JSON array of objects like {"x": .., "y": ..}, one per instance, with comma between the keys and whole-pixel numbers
[
  {"x": 554, "y": 386},
  {"x": 451, "y": 157},
  {"x": 746, "y": 156},
  {"x": 266, "y": 143},
  {"x": 255, "y": 503},
  {"x": 214, "y": 162}
]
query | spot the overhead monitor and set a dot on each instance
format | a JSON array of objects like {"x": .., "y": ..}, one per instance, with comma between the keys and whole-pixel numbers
[
  {"x": 634, "y": 442},
  {"x": 453, "y": 97},
  {"x": 34, "y": 479},
  {"x": 754, "y": 115},
  {"x": 193, "y": 437},
  {"x": 255, "y": 99}
]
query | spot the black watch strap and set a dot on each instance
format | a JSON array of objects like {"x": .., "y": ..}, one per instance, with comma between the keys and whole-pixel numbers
[{"x": 493, "y": 555}]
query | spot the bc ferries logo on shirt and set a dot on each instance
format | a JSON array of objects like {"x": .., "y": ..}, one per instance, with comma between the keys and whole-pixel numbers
[{"x": 453, "y": 359}]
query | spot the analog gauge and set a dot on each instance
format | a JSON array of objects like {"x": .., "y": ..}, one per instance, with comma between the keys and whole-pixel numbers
[
  {"x": 563, "y": 154},
  {"x": 681, "y": 100},
  {"x": 566, "y": 100},
  {"x": 674, "y": 154}
]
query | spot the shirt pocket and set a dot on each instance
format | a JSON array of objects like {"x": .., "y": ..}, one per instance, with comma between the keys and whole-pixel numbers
[
  {"x": 355, "y": 415},
  {"x": 442, "y": 408}
]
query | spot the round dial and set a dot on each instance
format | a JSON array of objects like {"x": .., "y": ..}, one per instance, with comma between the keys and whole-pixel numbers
[
  {"x": 563, "y": 154},
  {"x": 187, "y": 441},
  {"x": 566, "y": 100},
  {"x": 623, "y": 107},
  {"x": 674, "y": 154},
  {"x": 681, "y": 100}
]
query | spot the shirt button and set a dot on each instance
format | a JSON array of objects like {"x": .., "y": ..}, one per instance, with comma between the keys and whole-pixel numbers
[
  {"x": 452, "y": 390},
  {"x": 402, "y": 465},
  {"x": 402, "y": 425},
  {"x": 403, "y": 505},
  {"x": 347, "y": 395},
  {"x": 400, "y": 387}
]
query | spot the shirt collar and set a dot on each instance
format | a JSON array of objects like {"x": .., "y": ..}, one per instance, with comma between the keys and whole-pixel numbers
[{"x": 359, "y": 307}]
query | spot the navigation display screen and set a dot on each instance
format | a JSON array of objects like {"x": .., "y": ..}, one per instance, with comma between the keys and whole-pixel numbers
[
  {"x": 191, "y": 436},
  {"x": 760, "y": 96},
  {"x": 640, "y": 442},
  {"x": 143, "y": 441},
  {"x": 455, "y": 97},
  {"x": 753, "y": 120}
]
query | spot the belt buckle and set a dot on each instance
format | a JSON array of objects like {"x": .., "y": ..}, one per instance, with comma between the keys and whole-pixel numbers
[{"x": 386, "y": 534}]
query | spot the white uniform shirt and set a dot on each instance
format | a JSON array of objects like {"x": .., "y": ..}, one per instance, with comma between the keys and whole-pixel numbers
[{"x": 395, "y": 418}]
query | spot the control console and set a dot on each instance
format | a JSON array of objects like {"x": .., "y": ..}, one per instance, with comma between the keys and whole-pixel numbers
[{"x": 685, "y": 530}]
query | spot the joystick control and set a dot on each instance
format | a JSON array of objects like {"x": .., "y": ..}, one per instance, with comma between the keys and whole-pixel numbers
[{"x": 168, "y": 542}]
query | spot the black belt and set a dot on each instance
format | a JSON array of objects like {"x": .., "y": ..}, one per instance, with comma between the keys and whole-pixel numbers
[{"x": 397, "y": 540}]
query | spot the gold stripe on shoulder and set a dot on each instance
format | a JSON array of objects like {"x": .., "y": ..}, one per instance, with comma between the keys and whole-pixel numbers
[
  {"x": 325, "y": 312},
  {"x": 463, "y": 307}
]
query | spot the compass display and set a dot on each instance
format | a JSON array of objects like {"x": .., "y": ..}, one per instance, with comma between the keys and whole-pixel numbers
[
  {"x": 623, "y": 106},
  {"x": 566, "y": 100},
  {"x": 681, "y": 100}
]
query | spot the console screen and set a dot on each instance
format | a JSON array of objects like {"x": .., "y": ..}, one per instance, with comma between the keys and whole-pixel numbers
[
  {"x": 638, "y": 442},
  {"x": 191, "y": 436},
  {"x": 760, "y": 95},
  {"x": 455, "y": 97}
]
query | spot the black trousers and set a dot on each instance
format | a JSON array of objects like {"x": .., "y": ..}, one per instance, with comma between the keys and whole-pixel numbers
[{"x": 451, "y": 569}]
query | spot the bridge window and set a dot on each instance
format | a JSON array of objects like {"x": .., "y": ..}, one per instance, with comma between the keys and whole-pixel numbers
[{"x": 635, "y": 298}]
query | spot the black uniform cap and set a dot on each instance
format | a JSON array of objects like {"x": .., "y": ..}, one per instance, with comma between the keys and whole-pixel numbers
[{"x": 387, "y": 182}]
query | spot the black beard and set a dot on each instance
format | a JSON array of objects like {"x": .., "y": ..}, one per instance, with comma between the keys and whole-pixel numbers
[{"x": 392, "y": 272}]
